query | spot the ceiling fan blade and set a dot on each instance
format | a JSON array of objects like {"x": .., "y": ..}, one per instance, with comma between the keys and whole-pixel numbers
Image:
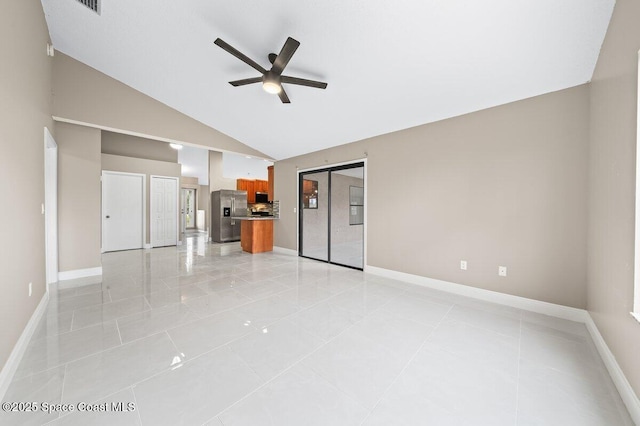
[
  {"x": 283, "y": 97},
  {"x": 246, "y": 81},
  {"x": 303, "y": 82},
  {"x": 289, "y": 48},
  {"x": 235, "y": 52}
]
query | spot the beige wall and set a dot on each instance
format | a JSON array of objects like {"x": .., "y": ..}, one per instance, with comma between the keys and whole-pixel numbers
[
  {"x": 612, "y": 171},
  {"x": 216, "y": 180},
  {"x": 503, "y": 186},
  {"x": 79, "y": 193},
  {"x": 116, "y": 163},
  {"x": 190, "y": 182},
  {"x": 132, "y": 146},
  {"x": 25, "y": 109},
  {"x": 83, "y": 94},
  {"x": 204, "y": 201}
]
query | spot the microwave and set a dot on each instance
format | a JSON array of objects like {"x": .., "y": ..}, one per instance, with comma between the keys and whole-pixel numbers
[{"x": 262, "y": 197}]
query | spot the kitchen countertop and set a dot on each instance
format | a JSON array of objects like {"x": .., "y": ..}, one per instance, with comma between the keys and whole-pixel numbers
[{"x": 254, "y": 218}]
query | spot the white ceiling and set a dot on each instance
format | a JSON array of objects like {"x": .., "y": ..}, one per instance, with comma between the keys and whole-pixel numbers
[
  {"x": 390, "y": 65},
  {"x": 195, "y": 163},
  {"x": 236, "y": 166}
]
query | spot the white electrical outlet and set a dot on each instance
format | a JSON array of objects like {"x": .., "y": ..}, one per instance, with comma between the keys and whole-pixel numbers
[
  {"x": 42, "y": 208},
  {"x": 30, "y": 289},
  {"x": 295, "y": 210},
  {"x": 463, "y": 265},
  {"x": 502, "y": 271}
]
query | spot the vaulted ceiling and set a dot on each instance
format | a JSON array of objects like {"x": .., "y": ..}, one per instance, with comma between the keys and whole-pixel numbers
[{"x": 389, "y": 65}]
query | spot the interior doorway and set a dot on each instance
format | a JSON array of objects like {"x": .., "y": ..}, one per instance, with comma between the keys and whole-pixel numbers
[
  {"x": 123, "y": 211},
  {"x": 189, "y": 208},
  {"x": 332, "y": 219}
]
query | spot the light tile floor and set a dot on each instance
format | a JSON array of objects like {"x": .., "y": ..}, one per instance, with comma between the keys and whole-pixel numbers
[{"x": 207, "y": 334}]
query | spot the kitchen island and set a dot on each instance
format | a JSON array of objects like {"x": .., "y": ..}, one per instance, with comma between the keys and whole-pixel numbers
[{"x": 256, "y": 233}]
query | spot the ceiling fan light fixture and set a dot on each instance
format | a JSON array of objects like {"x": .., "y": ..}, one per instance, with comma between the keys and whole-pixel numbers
[
  {"x": 271, "y": 79},
  {"x": 271, "y": 87}
]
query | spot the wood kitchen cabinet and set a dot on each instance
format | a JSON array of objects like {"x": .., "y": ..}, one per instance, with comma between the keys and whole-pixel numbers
[
  {"x": 270, "y": 182},
  {"x": 256, "y": 236},
  {"x": 249, "y": 186},
  {"x": 252, "y": 186},
  {"x": 261, "y": 186}
]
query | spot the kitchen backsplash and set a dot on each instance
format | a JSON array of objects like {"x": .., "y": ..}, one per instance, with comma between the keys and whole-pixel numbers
[{"x": 272, "y": 208}]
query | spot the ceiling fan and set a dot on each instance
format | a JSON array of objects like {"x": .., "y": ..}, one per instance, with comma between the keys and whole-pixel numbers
[{"x": 272, "y": 79}]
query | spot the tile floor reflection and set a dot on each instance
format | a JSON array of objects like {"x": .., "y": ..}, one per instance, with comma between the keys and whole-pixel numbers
[{"x": 207, "y": 334}]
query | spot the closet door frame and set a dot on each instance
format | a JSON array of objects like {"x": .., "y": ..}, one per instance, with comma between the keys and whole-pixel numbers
[{"x": 332, "y": 168}]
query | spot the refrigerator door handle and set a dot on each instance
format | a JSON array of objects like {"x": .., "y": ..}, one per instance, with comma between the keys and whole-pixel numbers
[{"x": 233, "y": 206}]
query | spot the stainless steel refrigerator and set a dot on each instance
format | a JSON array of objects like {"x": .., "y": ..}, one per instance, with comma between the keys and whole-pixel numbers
[{"x": 226, "y": 204}]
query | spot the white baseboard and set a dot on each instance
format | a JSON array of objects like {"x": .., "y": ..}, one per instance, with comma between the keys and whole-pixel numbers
[
  {"x": 9, "y": 369},
  {"x": 559, "y": 311},
  {"x": 147, "y": 246},
  {"x": 625, "y": 390},
  {"x": 283, "y": 250},
  {"x": 79, "y": 273}
]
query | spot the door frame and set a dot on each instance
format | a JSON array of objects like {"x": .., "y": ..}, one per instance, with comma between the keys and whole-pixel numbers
[
  {"x": 51, "y": 206},
  {"x": 195, "y": 206},
  {"x": 151, "y": 204},
  {"x": 144, "y": 205},
  {"x": 329, "y": 168}
]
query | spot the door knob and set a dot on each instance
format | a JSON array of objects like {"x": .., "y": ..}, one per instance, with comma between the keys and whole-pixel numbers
[{"x": 107, "y": 217}]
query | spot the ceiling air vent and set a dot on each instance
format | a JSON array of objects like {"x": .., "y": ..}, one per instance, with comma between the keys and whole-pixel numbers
[{"x": 91, "y": 4}]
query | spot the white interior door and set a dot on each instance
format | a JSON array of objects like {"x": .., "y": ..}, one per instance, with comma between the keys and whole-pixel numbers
[
  {"x": 164, "y": 214},
  {"x": 122, "y": 211}
]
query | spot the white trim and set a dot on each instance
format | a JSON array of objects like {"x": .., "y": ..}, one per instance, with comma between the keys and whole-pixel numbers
[
  {"x": 144, "y": 205},
  {"x": 365, "y": 230},
  {"x": 636, "y": 277},
  {"x": 10, "y": 367},
  {"x": 147, "y": 246},
  {"x": 625, "y": 390},
  {"x": 297, "y": 210},
  {"x": 79, "y": 273},
  {"x": 328, "y": 166},
  {"x": 282, "y": 250},
  {"x": 51, "y": 206},
  {"x": 635, "y": 315},
  {"x": 157, "y": 138},
  {"x": 151, "y": 203},
  {"x": 559, "y": 311}
]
